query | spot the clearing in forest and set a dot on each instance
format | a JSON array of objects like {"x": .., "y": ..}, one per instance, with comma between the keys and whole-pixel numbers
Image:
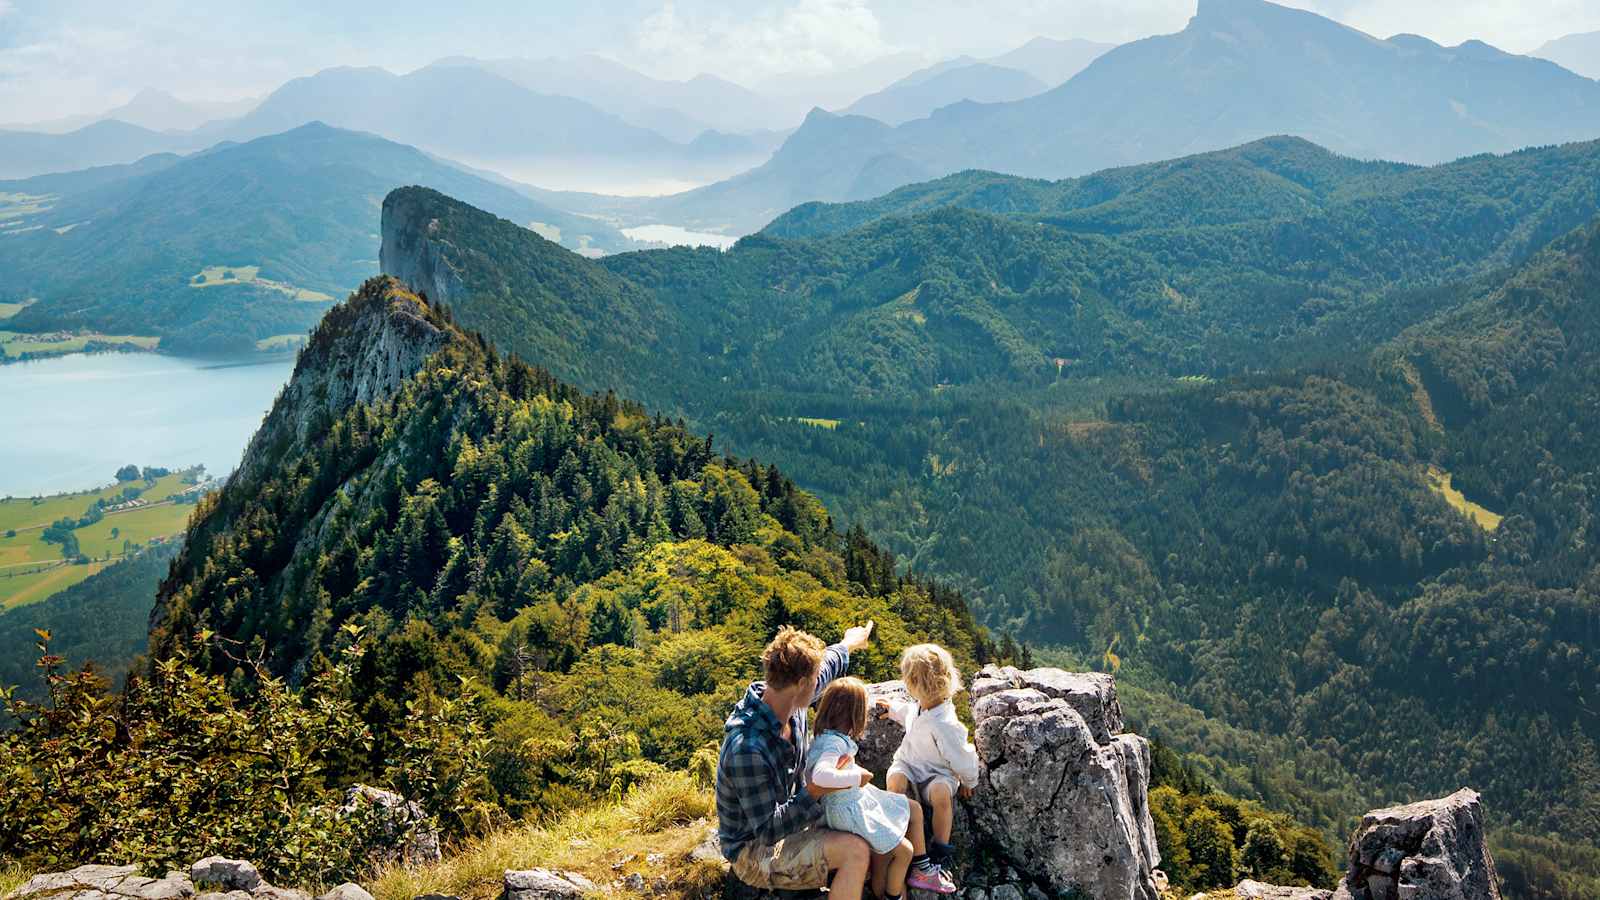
[
  {"x": 216, "y": 276},
  {"x": 1439, "y": 480}
]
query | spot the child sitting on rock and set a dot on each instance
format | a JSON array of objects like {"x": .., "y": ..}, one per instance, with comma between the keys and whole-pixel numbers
[
  {"x": 891, "y": 825},
  {"x": 934, "y": 762}
]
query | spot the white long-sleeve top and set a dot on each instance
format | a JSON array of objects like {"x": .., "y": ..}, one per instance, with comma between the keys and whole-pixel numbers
[
  {"x": 935, "y": 743},
  {"x": 826, "y": 773}
]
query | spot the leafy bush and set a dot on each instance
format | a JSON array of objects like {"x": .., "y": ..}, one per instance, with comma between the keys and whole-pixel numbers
[{"x": 188, "y": 769}]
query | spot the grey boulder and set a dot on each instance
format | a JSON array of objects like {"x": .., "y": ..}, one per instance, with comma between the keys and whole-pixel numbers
[
  {"x": 1062, "y": 796},
  {"x": 1256, "y": 890},
  {"x": 545, "y": 884},
  {"x": 229, "y": 874},
  {"x": 103, "y": 883},
  {"x": 1430, "y": 850},
  {"x": 347, "y": 891}
]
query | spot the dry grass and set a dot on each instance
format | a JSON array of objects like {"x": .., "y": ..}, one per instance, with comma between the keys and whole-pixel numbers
[
  {"x": 669, "y": 817},
  {"x": 1439, "y": 480},
  {"x": 12, "y": 875}
]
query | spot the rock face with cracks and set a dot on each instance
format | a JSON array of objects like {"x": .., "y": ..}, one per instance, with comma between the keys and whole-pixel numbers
[
  {"x": 1430, "y": 850},
  {"x": 1061, "y": 803}
]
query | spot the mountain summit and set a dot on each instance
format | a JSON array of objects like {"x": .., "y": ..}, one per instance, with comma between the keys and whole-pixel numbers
[{"x": 1241, "y": 70}]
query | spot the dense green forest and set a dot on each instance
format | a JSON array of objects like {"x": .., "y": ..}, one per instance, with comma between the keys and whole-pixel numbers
[
  {"x": 607, "y": 571},
  {"x": 497, "y": 593},
  {"x": 1225, "y": 475}
]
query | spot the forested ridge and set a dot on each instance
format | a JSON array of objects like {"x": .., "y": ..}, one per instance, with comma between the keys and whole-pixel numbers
[
  {"x": 1263, "y": 538},
  {"x": 609, "y": 573}
]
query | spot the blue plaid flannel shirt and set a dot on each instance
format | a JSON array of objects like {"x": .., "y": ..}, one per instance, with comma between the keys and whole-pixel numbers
[{"x": 761, "y": 795}]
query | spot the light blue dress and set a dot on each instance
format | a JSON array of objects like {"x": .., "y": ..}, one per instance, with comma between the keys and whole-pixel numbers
[{"x": 873, "y": 813}]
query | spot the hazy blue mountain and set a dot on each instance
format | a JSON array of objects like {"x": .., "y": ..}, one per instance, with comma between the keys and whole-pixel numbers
[
  {"x": 151, "y": 108},
  {"x": 1052, "y": 61},
  {"x": 1240, "y": 71},
  {"x": 679, "y": 110},
  {"x": 454, "y": 110},
  {"x": 1578, "y": 52},
  {"x": 920, "y": 93},
  {"x": 24, "y": 154},
  {"x": 122, "y": 254}
]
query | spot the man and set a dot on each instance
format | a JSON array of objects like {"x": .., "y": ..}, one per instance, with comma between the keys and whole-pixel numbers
[{"x": 768, "y": 816}]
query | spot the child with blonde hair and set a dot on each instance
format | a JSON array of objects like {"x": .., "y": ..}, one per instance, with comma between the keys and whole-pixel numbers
[
  {"x": 890, "y": 823},
  {"x": 935, "y": 762}
]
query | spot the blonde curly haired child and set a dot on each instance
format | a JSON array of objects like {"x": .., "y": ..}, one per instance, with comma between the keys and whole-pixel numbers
[{"x": 935, "y": 762}]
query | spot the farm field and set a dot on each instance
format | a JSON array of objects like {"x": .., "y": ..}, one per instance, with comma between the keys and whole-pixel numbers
[
  {"x": 33, "y": 586},
  {"x": 17, "y": 343},
  {"x": 281, "y": 342},
  {"x": 214, "y": 276},
  {"x": 137, "y": 525},
  {"x": 32, "y": 569}
]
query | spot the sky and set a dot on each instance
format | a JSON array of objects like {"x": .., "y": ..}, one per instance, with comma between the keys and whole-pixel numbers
[{"x": 68, "y": 57}]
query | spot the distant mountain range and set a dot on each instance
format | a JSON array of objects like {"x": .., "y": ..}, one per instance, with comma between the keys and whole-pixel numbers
[
  {"x": 234, "y": 244},
  {"x": 1241, "y": 70},
  {"x": 922, "y": 92},
  {"x": 1578, "y": 52},
  {"x": 151, "y": 108},
  {"x": 678, "y": 110}
]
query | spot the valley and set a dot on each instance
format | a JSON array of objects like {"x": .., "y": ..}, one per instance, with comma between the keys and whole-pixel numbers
[
  {"x": 520, "y": 376},
  {"x": 114, "y": 522}
]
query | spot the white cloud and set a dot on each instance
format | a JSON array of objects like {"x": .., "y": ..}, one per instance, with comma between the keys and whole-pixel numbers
[{"x": 803, "y": 36}]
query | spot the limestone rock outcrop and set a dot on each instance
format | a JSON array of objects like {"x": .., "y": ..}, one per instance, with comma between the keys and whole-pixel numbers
[
  {"x": 1430, "y": 850},
  {"x": 1061, "y": 804},
  {"x": 228, "y": 874},
  {"x": 401, "y": 831},
  {"x": 545, "y": 884},
  {"x": 410, "y": 252},
  {"x": 103, "y": 883},
  {"x": 1255, "y": 890}
]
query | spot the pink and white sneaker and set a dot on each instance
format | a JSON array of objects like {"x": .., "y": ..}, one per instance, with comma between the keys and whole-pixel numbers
[{"x": 934, "y": 879}]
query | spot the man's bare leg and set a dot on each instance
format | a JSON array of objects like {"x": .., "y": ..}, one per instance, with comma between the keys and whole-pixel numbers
[
  {"x": 850, "y": 857},
  {"x": 880, "y": 872}
]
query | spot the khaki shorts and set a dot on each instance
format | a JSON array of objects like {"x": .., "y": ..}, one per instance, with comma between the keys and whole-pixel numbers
[
  {"x": 918, "y": 790},
  {"x": 795, "y": 863}
]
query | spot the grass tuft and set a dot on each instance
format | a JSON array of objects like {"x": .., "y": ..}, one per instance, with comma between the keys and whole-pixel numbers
[
  {"x": 12, "y": 876},
  {"x": 605, "y": 843}
]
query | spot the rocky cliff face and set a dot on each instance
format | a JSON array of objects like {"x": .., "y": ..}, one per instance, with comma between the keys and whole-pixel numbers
[
  {"x": 1060, "y": 806},
  {"x": 1431, "y": 850},
  {"x": 362, "y": 352},
  {"x": 410, "y": 251}
]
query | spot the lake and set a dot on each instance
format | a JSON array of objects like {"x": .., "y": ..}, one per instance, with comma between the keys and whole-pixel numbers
[
  {"x": 70, "y": 422},
  {"x": 676, "y": 235}
]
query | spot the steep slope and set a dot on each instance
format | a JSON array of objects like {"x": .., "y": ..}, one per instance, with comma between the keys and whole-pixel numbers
[
  {"x": 920, "y": 93},
  {"x": 1245, "y": 69},
  {"x": 123, "y": 254},
  {"x": 465, "y": 514}
]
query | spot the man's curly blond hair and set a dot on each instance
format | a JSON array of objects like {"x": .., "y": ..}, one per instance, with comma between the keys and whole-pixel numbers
[
  {"x": 929, "y": 673},
  {"x": 792, "y": 657}
]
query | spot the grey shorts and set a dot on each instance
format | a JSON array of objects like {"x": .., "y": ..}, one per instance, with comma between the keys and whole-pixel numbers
[{"x": 918, "y": 789}]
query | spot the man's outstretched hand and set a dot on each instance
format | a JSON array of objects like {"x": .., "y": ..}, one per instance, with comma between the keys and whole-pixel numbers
[{"x": 856, "y": 638}]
